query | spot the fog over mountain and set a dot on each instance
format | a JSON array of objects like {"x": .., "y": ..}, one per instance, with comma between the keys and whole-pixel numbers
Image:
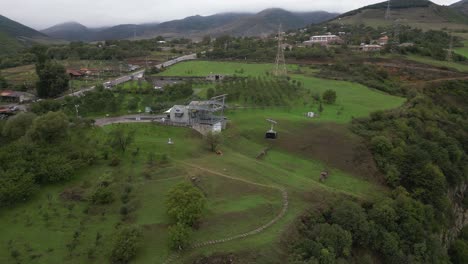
[{"x": 41, "y": 14}]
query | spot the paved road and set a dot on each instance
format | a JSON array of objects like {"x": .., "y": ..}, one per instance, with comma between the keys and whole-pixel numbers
[
  {"x": 177, "y": 60},
  {"x": 143, "y": 118},
  {"x": 137, "y": 74}
]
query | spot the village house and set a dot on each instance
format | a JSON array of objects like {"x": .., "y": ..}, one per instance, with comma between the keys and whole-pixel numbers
[
  {"x": 383, "y": 41},
  {"x": 74, "y": 74},
  {"x": 15, "y": 97}
]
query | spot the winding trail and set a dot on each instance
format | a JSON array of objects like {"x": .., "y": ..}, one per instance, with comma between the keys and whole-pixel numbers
[{"x": 258, "y": 230}]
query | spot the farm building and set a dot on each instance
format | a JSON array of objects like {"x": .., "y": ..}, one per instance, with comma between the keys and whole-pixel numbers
[
  {"x": 215, "y": 77},
  {"x": 200, "y": 115},
  {"x": 383, "y": 41},
  {"x": 370, "y": 48},
  {"x": 74, "y": 74},
  {"x": 15, "y": 97}
]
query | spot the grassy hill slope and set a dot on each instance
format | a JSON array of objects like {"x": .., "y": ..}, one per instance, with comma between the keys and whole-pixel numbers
[
  {"x": 416, "y": 13},
  {"x": 15, "y": 36},
  {"x": 239, "y": 24}
]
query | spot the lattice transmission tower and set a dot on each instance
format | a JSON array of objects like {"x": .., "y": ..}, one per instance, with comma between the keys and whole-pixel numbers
[
  {"x": 280, "y": 66},
  {"x": 396, "y": 35},
  {"x": 450, "y": 50},
  {"x": 388, "y": 13}
]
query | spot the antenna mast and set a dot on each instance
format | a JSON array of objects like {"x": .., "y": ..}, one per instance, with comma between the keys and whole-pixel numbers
[{"x": 280, "y": 67}]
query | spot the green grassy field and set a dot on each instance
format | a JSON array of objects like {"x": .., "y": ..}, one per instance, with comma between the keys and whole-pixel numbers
[
  {"x": 463, "y": 50},
  {"x": 426, "y": 60},
  {"x": 204, "y": 68},
  {"x": 235, "y": 205}
]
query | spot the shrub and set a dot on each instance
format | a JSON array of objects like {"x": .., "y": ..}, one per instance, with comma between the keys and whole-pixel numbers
[{"x": 329, "y": 97}]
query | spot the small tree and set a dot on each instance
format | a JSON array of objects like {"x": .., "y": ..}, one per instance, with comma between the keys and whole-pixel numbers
[
  {"x": 320, "y": 107},
  {"x": 210, "y": 93},
  {"x": 125, "y": 245},
  {"x": 120, "y": 139},
  {"x": 18, "y": 125},
  {"x": 185, "y": 204},
  {"x": 49, "y": 128},
  {"x": 329, "y": 96},
  {"x": 179, "y": 236},
  {"x": 213, "y": 140}
]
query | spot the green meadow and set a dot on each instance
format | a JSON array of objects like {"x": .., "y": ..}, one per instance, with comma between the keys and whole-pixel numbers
[{"x": 241, "y": 190}]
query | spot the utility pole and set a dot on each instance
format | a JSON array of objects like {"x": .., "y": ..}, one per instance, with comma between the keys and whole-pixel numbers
[{"x": 280, "y": 67}]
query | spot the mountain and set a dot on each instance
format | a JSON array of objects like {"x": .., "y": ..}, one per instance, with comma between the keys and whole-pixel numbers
[
  {"x": 15, "y": 36},
  {"x": 71, "y": 31},
  {"x": 461, "y": 6},
  {"x": 239, "y": 24},
  {"x": 267, "y": 22},
  {"x": 422, "y": 14}
]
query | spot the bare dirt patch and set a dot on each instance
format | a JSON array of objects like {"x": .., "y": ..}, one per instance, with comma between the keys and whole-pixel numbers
[{"x": 333, "y": 144}]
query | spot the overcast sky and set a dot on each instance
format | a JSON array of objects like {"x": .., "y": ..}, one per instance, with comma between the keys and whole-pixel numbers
[{"x": 40, "y": 14}]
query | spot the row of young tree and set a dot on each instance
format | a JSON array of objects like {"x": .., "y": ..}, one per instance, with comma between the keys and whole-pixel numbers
[
  {"x": 185, "y": 204},
  {"x": 260, "y": 91}
]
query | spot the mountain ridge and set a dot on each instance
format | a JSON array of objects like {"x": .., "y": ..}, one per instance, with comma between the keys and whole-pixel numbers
[
  {"x": 422, "y": 14},
  {"x": 14, "y": 36},
  {"x": 240, "y": 24}
]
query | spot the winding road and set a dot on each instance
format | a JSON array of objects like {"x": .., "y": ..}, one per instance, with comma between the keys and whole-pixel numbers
[{"x": 284, "y": 209}]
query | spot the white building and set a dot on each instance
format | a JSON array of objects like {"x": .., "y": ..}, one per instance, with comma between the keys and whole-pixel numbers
[
  {"x": 370, "y": 48},
  {"x": 324, "y": 40}
]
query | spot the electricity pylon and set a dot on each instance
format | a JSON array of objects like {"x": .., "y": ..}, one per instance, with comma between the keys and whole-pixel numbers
[{"x": 280, "y": 67}]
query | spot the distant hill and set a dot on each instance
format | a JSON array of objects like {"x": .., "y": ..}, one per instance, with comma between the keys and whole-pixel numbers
[
  {"x": 422, "y": 14},
  {"x": 267, "y": 22},
  {"x": 239, "y": 24},
  {"x": 461, "y": 6},
  {"x": 71, "y": 31},
  {"x": 15, "y": 36}
]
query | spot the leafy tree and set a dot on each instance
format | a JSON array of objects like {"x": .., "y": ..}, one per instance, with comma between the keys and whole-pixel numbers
[
  {"x": 213, "y": 140},
  {"x": 210, "y": 93},
  {"x": 45, "y": 106},
  {"x": 49, "y": 128},
  {"x": 179, "y": 236},
  {"x": 53, "y": 79},
  {"x": 125, "y": 246},
  {"x": 329, "y": 96},
  {"x": 120, "y": 139},
  {"x": 3, "y": 83},
  {"x": 15, "y": 186},
  {"x": 352, "y": 217},
  {"x": 185, "y": 204},
  {"x": 18, "y": 125}
]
